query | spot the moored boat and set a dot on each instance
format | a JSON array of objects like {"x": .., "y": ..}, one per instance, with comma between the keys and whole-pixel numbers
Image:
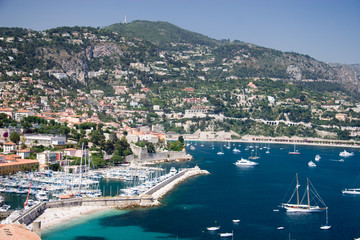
[
  {"x": 245, "y": 162},
  {"x": 301, "y": 207},
  {"x": 353, "y": 191},
  {"x": 346, "y": 154},
  {"x": 226, "y": 235},
  {"x": 213, "y": 228},
  {"x": 311, "y": 164}
]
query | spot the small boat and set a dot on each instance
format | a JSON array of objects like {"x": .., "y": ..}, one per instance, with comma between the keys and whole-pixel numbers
[
  {"x": 220, "y": 153},
  {"x": 346, "y": 154},
  {"x": 295, "y": 152},
  {"x": 235, "y": 150},
  {"x": 245, "y": 162},
  {"x": 311, "y": 164},
  {"x": 280, "y": 228},
  {"x": 301, "y": 207},
  {"x": 192, "y": 147},
  {"x": 275, "y": 210},
  {"x": 236, "y": 220},
  {"x": 267, "y": 152},
  {"x": 226, "y": 234},
  {"x": 213, "y": 228},
  {"x": 326, "y": 226},
  {"x": 317, "y": 157},
  {"x": 4, "y": 208},
  {"x": 353, "y": 191}
]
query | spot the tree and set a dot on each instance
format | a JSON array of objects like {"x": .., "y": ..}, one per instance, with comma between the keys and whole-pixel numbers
[
  {"x": 14, "y": 137},
  {"x": 116, "y": 159}
]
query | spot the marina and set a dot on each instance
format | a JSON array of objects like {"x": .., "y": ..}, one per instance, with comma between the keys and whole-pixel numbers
[{"x": 235, "y": 195}]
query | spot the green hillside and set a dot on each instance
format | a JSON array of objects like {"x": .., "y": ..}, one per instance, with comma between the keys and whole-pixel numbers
[{"x": 160, "y": 33}]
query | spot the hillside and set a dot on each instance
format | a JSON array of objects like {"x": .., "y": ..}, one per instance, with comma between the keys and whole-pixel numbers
[
  {"x": 181, "y": 81},
  {"x": 93, "y": 58},
  {"x": 160, "y": 33}
]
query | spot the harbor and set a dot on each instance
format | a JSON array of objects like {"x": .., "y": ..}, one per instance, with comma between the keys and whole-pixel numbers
[
  {"x": 249, "y": 195},
  {"x": 47, "y": 214}
]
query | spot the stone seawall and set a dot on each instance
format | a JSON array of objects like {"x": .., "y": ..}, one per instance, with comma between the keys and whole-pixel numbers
[
  {"x": 122, "y": 202},
  {"x": 159, "y": 157}
]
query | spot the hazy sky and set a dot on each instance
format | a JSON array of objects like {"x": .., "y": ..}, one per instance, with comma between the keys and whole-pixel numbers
[{"x": 328, "y": 30}]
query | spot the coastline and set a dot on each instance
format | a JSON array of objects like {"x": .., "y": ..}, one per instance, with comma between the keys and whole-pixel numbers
[
  {"x": 54, "y": 217},
  {"x": 277, "y": 140}
]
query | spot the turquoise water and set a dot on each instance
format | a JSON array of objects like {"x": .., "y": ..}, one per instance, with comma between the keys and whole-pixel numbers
[{"x": 231, "y": 192}]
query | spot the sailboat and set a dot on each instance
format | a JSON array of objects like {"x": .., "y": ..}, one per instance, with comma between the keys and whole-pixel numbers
[
  {"x": 300, "y": 206},
  {"x": 295, "y": 152},
  {"x": 254, "y": 156},
  {"x": 326, "y": 226},
  {"x": 220, "y": 152}
]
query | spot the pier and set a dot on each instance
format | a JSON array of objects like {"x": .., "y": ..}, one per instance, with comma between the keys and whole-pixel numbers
[{"x": 147, "y": 199}]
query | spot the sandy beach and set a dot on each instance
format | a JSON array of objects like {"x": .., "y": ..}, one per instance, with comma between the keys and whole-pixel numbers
[{"x": 55, "y": 216}]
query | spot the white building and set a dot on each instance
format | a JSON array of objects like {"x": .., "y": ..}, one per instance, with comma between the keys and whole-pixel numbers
[
  {"x": 45, "y": 140},
  {"x": 46, "y": 157},
  {"x": 9, "y": 147}
]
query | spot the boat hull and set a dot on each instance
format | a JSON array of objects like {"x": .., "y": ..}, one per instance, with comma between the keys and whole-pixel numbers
[{"x": 302, "y": 208}]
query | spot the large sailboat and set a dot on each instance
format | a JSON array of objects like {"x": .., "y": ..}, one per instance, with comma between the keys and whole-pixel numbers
[{"x": 304, "y": 206}]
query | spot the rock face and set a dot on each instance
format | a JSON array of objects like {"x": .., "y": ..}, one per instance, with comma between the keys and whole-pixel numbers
[{"x": 237, "y": 59}]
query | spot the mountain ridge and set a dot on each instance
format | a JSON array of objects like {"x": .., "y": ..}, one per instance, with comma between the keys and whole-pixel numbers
[{"x": 76, "y": 51}]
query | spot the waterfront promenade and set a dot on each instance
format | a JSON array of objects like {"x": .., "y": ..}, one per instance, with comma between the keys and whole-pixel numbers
[{"x": 228, "y": 137}]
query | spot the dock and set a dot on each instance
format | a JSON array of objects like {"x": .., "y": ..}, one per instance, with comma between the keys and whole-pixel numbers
[{"x": 148, "y": 199}]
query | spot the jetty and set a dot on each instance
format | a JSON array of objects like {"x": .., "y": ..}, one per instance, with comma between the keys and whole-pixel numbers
[{"x": 147, "y": 199}]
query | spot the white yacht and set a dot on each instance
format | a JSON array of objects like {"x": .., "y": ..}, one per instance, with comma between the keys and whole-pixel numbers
[
  {"x": 311, "y": 164},
  {"x": 220, "y": 153},
  {"x": 213, "y": 228},
  {"x": 346, "y": 154},
  {"x": 353, "y": 191},
  {"x": 42, "y": 196},
  {"x": 245, "y": 162},
  {"x": 4, "y": 208},
  {"x": 235, "y": 150},
  {"x": 317, "y": 157},
  {"x": 226, "y": 234}
]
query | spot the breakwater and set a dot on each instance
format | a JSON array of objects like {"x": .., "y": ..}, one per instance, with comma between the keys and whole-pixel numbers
[{"x": 148, "y": 199}]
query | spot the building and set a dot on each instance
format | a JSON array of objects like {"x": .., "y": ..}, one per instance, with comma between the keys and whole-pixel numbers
[
  {"x": 24, "y": 153},
  {"x": 200, "y": 112},
  {"x": 341, "y": 116},
  {"x": 7, "y": 111},
  {"x": 17, "y": 232},
  {"x": 17, "y": 165},
  {"x": 72, "y": 152},
  {"x": 48, "y": 157},
  {"x": 20, "y": 114},
  {"x": 45, "y": 140},
  {"x": 75, "y": 169},
  {"x": 9, "y": 147}
]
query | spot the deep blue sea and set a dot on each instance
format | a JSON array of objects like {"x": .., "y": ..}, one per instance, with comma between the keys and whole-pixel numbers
[{"x": 231, "y": 192}]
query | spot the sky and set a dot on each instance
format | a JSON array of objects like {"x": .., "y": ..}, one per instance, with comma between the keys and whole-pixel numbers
[{"x": 327, "y": 30}]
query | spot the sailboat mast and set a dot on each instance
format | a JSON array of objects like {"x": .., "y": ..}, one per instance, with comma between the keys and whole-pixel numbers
[
  {"x": 297, "y": 189},
  {"x": 308, "y": 192}
]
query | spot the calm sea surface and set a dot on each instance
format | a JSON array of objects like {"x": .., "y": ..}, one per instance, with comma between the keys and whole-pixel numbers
[{"x": 231, "y": 192}]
